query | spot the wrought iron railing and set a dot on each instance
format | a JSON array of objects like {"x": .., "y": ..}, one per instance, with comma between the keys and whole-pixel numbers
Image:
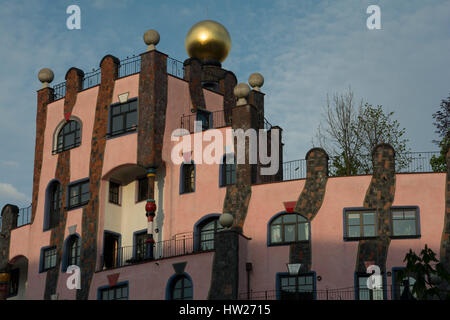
[
  {"x": 124, "y": 256},
  {"x": 417, "y": 162},
  {"x": 129, "y": 66},
  {"x": 175, "y": 67},
  {"x": 216, "y": 120},
  {"x": 24, "y": 216},
  {"x": 92, "y": 79},
  {"x": 59, "y": 90}
]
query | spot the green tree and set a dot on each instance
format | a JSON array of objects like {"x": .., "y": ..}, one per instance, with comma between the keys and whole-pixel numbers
[
  {"x": 442, "y": 124},
  {"x": 350, "y": 131},
  {"x": 430, "y": 275}
]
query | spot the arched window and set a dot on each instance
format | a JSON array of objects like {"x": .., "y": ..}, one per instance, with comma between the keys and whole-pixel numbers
[
  {"x": 54, "y": 206},
  {"x": 181, "y": 288},
  {"x": 288, "y": 228},
  {"x": 228, "y": 170},
  {"x": 206, "y": 233},
  {"x": 69, "y": 136},
  {"x": 72, "y": 252},
  {"x": 187, "y": 179}
]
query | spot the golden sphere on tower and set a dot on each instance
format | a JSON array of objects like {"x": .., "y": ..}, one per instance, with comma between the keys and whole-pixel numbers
[{"x": 208, "y": 40}]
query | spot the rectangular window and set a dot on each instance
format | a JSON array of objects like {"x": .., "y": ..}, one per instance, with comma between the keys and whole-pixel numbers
[
  {"x": 360, "y": 224},
  {"x": 115, "y": 293},
  {"x": 363, "y": 291},
  {"x": 299, "y": 287},
  {"x": 205, "y": 118},
  {"x": 123, "y": 118},
  {"x": 114, "y": 189},
  {"x": 141, "y": 245},
  {"x": 142, "y": 189},
  {"x": 78, "y": 194},
  {"x": 49, "y": 259},
  {"x": 14, "y": 283},
  {"x": 405, "y": 222}
]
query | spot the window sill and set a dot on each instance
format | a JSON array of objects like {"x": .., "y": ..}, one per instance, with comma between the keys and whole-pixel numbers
[
  {"x": 117, "y": 135},
  {"x": 279, "y": 244},
  {"x": 347, "y": 239}
]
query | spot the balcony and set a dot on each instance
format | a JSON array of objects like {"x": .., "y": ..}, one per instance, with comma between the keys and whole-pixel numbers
[{"x": 180, "y": 246}]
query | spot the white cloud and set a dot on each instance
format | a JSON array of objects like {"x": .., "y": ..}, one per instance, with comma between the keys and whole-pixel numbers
[
  {"x": 8, "y": 163},
  {"x": 9, "y": 194}
]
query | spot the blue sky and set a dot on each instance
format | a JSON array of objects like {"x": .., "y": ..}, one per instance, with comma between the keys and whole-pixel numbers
[{"x": 304, "y": 49}]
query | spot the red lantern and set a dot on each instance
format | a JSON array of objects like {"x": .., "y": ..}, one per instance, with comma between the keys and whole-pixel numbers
[{"x": 150, "y": 206}]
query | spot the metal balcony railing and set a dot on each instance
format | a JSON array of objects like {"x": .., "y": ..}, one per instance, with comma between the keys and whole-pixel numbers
[
  {"x": 129, "y": 66},
  {"x": 129, "y": 255}
]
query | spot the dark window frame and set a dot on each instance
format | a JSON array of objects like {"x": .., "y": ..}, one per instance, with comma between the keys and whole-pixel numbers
[
  {"x": 360, "y": 211},
  {"x": 60, "y": 143},
  {"x": 79, "y": 185},
  {"x": 416, "y": 224},
  {"x": 187, "y": 183},
  {"x": 114, "y": 193},
  {"x": 297, "y": 294},
  {"x": 398, "y": 283},
  {"x": 142, "y": 183},
  {"x": 228, "y": 171},
  {"x": 282, "y": 224},
  {"x": 201, "y": 232},
  {"x": 113, "y": 132},
  {"x": 140, "y": 245},
  {"x": 55, "y": 204},
  {"x": 74, "y": 243},
  {"x": 207, "y": 116},
  {"x": 370, "y": 292},
  {"x": 183, "y": 288},
  {"x": 44, "y": 258},
  {"x": 114, "y": 289}
]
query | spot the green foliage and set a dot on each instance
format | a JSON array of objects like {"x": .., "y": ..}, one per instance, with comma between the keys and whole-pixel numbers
[
  {"x": 429, "y": 274},
  {"x": 439, "y": 164}
]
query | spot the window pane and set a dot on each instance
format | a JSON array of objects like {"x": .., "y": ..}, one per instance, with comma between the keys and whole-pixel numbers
[
  {"x": 369, "y": 218},
  {"x": 404, "y": 227},
  {"x": 289, "y": 233},
  {"x": 397, "y": 215},
  {"x": 303, "y": 233},
  {"x": 290, "y": 218},
  {"x": 354, "y": 231},
  {"x": 117, "y": 124},
  {"x": 353, "y": 219},
  {"x": 85, "y": 187},
  {"x": 369, "y": 231},
  {"x": 410, "y": 214},
  {"x": 69, "y": 140},
  {"x": 115, "y": 110},
  {"x": 275, "y": 233},
  {"x": 131, "y": 120}
]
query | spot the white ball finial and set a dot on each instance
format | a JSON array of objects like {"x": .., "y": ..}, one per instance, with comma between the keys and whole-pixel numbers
[
  {"x": 241, "y": 91},
  {"x": 46, "y": 76},
  {"x": 151, "y": 38},
  {"x": 256, "y": 80},
  {"x": 226, "y": 220}
]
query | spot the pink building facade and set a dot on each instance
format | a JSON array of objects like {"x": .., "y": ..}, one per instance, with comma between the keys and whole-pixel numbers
[{"x": 104, "y": 145}]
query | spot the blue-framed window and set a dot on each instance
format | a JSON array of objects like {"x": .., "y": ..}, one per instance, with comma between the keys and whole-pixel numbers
[
  {"x": 363, "y": 292},
  {"x": 205, "y": 117},
  {"x": 296, "y": 287},
  {"x": 53, "y": 206},
  {"x": 180, "y": 287},
  {"x": 187, "y": 177},
  {"x": 400, "y": 281},
  {"x": 72, "y": 252},
  {"x": 117, "y": 292},
  {"x": 78, "y": 194},
  {"x": 360, "y": 223},
  {"x": 285, "y": 228},
  {"x": 48, "y": 258},
  {"x": 123, "y": 118},
  {"x": 206, "y": 232},
  {"x": 69, "y": 136},
  {"x": 405, "y": 222},
  {"x": 111, "y": 257},
  {"x": 227, "y": 170}
]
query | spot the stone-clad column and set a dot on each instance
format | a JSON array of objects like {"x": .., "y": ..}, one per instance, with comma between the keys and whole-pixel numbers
[
  {"x": 309, "y": 202},
  {"x": 379, "y": 196},
  {"x": 109, "y": 73},
  {"x": 9, "y": 216},
  {"x": 193, "y": 74},
  {"x": 44, "y": 97},
  {"x": 445, "y": 242},
  {"x": 74, "y": 84}
]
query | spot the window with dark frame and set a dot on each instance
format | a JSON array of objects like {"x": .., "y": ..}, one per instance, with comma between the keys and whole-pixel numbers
[
  {"x": 205, "y": 118},
  {"x": 363, "y": 291},
  {"x": 360, "y": 224},
  {"x": 49, "y": 257},
  {"x": 78, "y": 194},
  {"x": 74, "y": 254},
  {"x": 300, "y": 287},
  {"x": 140, "y": 245},
  {"x": 55, "y": 204},
  {"x": 288, "y": 228},
  {"x": 399, "y": 284},
  {"x": 142, "y": 189},
  {"x": 68, "y": 137},
  {"x": 115, "y": 293},
  {"x": 182, "y": 289},
  {"x": 404, "y": 222},
  {"x": 13, "y": 289},
  {"x": 207, "y": 234},
  {"x": 114, "y": 192},
  {"x": 228, "y": 170},
  {"x": 188, "y": 177},
  {"x": 123, "y": 118}
]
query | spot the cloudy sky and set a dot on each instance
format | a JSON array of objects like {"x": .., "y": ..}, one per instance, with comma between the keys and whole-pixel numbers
[{"x": 304, "y": 49}]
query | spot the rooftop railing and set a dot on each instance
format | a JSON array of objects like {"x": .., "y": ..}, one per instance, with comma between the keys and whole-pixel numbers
[
  {"x": 175, "y": 67},
  {"x": 129, "y": 66}
]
